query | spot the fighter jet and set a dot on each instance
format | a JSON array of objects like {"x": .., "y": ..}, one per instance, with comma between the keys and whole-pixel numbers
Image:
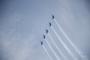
[
  {"x": 41, "y": 42},
  {"x": 46, "y": 30},
  {"x": 44, "y": 36},
  {"x": 50, "y": 24},
  {"x": 52, "y": 16}
]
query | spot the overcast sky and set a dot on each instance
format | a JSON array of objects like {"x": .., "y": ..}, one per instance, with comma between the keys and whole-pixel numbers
[{"x": 22, "y": 23}]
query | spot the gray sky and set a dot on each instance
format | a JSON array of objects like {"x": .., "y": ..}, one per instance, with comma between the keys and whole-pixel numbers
[{"x": 22, "y": 23}]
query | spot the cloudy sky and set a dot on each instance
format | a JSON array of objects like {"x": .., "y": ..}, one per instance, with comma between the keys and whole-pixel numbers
[{"x": 22, "y": 24}]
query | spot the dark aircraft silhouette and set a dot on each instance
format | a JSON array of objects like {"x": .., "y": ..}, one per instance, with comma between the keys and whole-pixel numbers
[
  {"x": 46, "y": 30},
  {"x": 44, "y": 36},
  {"x": 50, "y": 24},
  {"x": 52, "y": 16},
  {"x": 41, "y": 42}
]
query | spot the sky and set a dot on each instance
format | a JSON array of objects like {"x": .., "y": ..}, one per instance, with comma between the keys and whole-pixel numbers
[{"x": 23, "y": 22}]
